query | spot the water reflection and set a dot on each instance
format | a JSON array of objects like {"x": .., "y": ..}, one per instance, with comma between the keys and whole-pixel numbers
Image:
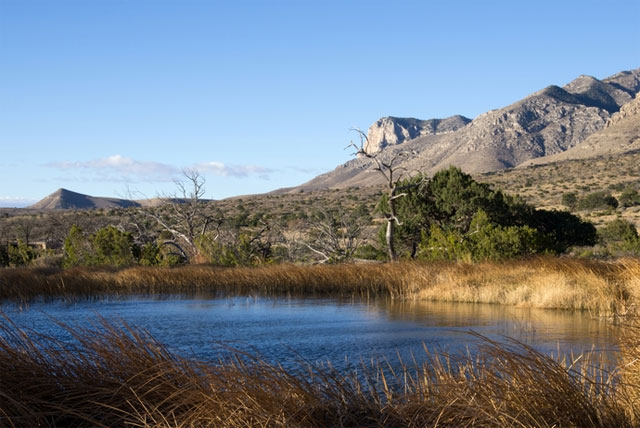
[
  {"x": 286, "y": 331},
  {"x": 530, "y": 325}
]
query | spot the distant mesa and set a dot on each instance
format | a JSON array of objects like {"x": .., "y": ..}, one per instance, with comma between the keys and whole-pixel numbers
[{"x": 63, "y": 199}]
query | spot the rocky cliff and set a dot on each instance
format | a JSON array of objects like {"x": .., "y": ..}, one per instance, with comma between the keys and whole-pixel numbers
[
  {"x": 548, "y": 122},
  {"x": 627, "y": 112},
  {"x": 620, "y": 134},
  {"x": 390, "y": 131}
]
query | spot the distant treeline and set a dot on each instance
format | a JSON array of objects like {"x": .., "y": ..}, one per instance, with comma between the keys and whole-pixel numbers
[{"x": 449, "y": 216}]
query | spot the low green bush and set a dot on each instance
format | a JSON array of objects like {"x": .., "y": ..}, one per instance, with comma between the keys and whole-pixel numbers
[
  {"x": 597, "y": 200},
  {"x": 484, "y": 241},
  {"x": 629, "y": 198},
  {"x": 109, "y": 246},
  {"x": 20, "y": 254},
  {"x": 620, "y": 238}
]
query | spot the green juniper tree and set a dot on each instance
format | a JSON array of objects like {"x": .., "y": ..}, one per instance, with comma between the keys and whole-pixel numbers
[
  {"x": 112, "y": 247},
  {"x": 77, "y": 249},
  {"x": 452, "y": 216}
]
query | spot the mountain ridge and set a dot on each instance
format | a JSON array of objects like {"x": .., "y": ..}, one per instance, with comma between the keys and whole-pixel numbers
[
  {"x": 585, "y": 117},
  {"x": 547, "y": 122},
  {"x": 620, "y": 134}
]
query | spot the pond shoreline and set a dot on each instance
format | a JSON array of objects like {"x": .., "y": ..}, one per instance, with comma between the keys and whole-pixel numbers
[
  {"x": 114, "y": 374},
  {"x": 117, "y": 375},
  {"x": 605, "y": 288}
]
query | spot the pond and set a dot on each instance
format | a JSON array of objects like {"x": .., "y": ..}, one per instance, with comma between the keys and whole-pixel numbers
[{"x": 288, "y": 331}]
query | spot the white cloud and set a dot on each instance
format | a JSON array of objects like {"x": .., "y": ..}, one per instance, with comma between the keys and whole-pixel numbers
[
  {"x": 219, "y": 168},
  {"x": 314, "y": 171},
  {"x": 11, "y": 202},
  {"x": 119, "y": 167}
]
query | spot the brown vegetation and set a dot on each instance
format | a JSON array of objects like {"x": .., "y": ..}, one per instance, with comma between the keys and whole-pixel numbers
[
  {"x": 605, "y": 288},
  {"x": 116, "y": 376}
]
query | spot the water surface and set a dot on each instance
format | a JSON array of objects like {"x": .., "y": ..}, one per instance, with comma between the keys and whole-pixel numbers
[{"x": 286, "y": 331}]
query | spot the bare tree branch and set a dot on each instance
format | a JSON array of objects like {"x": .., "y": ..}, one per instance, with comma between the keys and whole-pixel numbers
[
  {"x": 334, "y": 235},
  {"x": 393, "y": 174},
  {"x": 185, "y": 214}
]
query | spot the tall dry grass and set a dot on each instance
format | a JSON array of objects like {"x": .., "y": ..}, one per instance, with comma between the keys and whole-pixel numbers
[
  {"x": 610, "y": 288},
  {"x": 629, "y": 344},
  {"x": 561, "y": 283},
  {"x": 116, "y": 376}
]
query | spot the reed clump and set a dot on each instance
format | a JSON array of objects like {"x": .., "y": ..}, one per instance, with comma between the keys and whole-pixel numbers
[
  {"x": 629, "y": 343},
  {"x": 113, "y": 375},
  {"x": 603, "y": 287},
  {"x": 375, "y": 280},
  {"x": 560, "y": 283}
]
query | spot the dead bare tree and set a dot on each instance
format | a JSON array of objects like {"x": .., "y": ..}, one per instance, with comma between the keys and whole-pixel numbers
[
  {"x": 185, "y": 214},
  {"x": 333, "y": 235},
  {"x": 5, "y": 235},
  {"x": 56, "y": 229},
  {"x": 24, "y": 227},
  {"x": 387, "y": 165},
  {"x": 287, "y": 239}
]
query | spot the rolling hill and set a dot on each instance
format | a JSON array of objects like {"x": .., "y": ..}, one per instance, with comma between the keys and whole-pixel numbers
[{"x": 63, "y": 199}]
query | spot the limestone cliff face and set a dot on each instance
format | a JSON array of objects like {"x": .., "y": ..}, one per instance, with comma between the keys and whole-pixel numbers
[
  {"x": 390, "y": 131},
  {"x": 546, "y": 123},
  {"x": 627, "y": 111}
]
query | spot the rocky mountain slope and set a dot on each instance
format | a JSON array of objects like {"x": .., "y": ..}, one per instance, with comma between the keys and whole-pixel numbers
[
  {"x": 66, "y": 199},
  {"x": 390, "y": 131},
  {"x": 547, "y": 122},
  {"x": 621, "y": 134}
]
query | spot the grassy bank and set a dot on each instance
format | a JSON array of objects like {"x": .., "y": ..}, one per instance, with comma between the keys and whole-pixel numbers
[
  {"x": 116, "y": 376},
  {"x": 599, "y": 286}
]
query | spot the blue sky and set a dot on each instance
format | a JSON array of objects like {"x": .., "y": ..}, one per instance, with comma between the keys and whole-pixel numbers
[{"x": 98, "y": 96}]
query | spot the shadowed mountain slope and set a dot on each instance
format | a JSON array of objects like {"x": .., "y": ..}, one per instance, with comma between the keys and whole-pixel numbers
[
  {"x": 621, "y": 134},
  {"x": 63, "y": 199}
]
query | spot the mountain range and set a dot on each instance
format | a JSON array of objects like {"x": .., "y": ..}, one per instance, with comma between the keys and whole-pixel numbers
[
  {"x": 555, "y": 120},
  {"x": 587, "y": 117}
]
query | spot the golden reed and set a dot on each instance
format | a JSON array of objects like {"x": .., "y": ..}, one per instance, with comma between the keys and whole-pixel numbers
[
  {"x": 114, "y": 375},
  {"x": 603, "y": 287},
  {"x": 117, "y": 376}
]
